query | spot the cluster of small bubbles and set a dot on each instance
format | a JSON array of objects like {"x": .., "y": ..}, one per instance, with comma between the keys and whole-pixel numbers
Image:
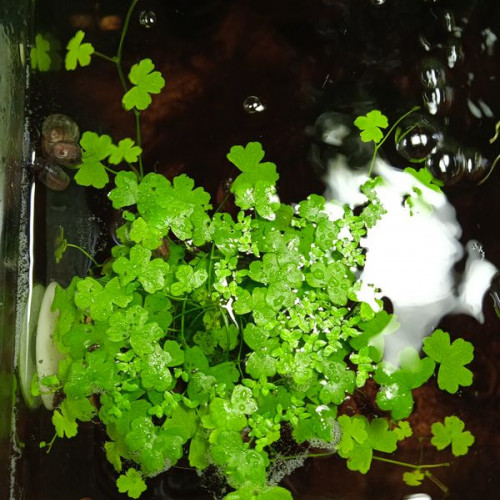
[
  {"x": 253, "y": 104},
  {"x": 419, "y": 137},
  {"x": 282, "y": 468},
  {"x": 147, "y": 18},
  {"x": 437, "y": 96},
  {"x": 213, "y": 479}
]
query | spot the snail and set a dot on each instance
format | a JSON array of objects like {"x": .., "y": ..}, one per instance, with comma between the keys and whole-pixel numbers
[
  {"x": 60, "y": 136},
  {"x": 51, "y": 175}
]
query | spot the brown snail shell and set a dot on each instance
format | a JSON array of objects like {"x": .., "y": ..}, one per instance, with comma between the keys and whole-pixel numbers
[
  {"x": 60, "y": 136},
  {"x": 59, "y": 127},
  {"x": 50, "y": 175},
  {"x": 66, "y": 153}
]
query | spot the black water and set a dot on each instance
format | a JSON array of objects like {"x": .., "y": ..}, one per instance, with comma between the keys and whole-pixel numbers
[{"x": 277, "y": 72}]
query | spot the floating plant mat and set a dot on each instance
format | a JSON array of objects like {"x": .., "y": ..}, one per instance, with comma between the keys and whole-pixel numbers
[{"x": 223, "y": 317}]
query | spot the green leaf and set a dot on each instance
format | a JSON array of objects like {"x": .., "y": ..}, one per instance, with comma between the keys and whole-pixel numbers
[
  {"x": 359, "y": 449},
  {"x": 255, "y": 187},
  {"x": 413, "y": 478},
  {"x": 353, "y": 431},
  {"x": 61, "y": 245},
  {"x": 126, "y": 191},
  {"x": 370, "y": 126},
  {"x": 44, "y": 56},
  {"x": 150, "y": 273},
  {"x": 95, "y": 149},
  {"x": 125, "y": 151},
  {"x": 78, "y": 53},
  {"x": 175, "y": 352},
  {"x": 145, "y": 81},
  {"x": 253, "y": 493},
  {"x": 131, "y": 483},
  {"x": 452, "y": 432},
  {"x": 426, "y": 178},
  {"x": 64, "y": 424},
  {"x": 98, "y": 300},
  {"x": 198, "y": 451},
  {"x": 188, "y": 279},
  {"x": 242, "y": 400},
  {"x": 452, "y": 359},
  {"x": 339, "y": 381},
  {"x": 113, "y": 455},
  {"x": 403, "y": 430},
  {"x": 396, "y": 384}
]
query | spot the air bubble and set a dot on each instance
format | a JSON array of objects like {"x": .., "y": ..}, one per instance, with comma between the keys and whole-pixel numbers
[
  {"x": 378, "y": 3},
  {"x": 253, "y": 104},
  {"x": 432, "y": 73},
  {"x": 437, "y": 100},
  {"x": 418, "y": 139},
  {"x": 147, "y": 18},
  {"x": 447, "y": 166}
]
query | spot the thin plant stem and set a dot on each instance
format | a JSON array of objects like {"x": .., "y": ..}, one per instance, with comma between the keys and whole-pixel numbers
[
  {"x": 104, "y": 56},
  {"x": 494, "y": 164},
  {"x": 110, "y": 170},
  {"x": 139, "y": 139},
  {"x": 84, "y": 253},
  {"x": 394, "y": 125},
  {"x": 411, "y": 466},
  {"x": 125, "y": 29},
  {"x": 183, "y": 320},
  {"x": 437, "y": 482}
]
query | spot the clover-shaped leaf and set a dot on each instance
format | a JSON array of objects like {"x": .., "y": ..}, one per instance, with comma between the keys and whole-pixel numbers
[
  {"x": 188, "y": 279},
  {"x": 98, "y": 299},
  {"x": 92, "y": 171},
  {"x": 413, "y": 478},
  {"x": 256, "y": 185},
  {"x": 452, "y": 358},
  {"x": 61, "y": 245},
  {"x": 78, "y": 53},
  {"x": 150, "y": 273},
  {"x": 452, "y": 432},
  {"x": 146, "y": 81},
  {"x": 370, "y": 126},
  {"x": 426, "y": 178},
  {"x": 44, "y": 55},
  {"x": 396, "y": 384},
  {"x": 126, "y": 150},
  {"x": 126, "y": 191},
  {"x": 132, "y": 483}
]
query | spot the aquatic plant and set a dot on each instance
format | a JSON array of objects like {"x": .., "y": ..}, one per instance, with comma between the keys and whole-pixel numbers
[{"x": 216, "y": 337}]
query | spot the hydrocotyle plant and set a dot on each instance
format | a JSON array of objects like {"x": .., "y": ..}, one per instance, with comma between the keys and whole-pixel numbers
[{"x": 232, "y": 341}]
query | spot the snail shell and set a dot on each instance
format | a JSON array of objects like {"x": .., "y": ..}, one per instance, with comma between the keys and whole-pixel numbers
[
  {"x": 59, "y": 127},
  {"x": 52, "y": 176},
  {"x": 66, "y": 153},
  {"x": 60, "y": 136}
]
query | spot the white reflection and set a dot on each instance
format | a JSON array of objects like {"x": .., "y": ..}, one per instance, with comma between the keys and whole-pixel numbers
[{"x": 411, "y": 254}]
